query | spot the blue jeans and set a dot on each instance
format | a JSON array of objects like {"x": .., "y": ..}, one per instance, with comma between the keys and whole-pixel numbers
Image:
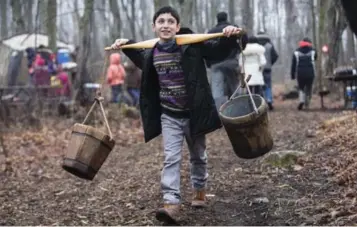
[
  {"x": 116, "y": 90},
  {"x": 174, "y": 131},
  {"x": 134, "y": 93},
  {"x": 268, "y": 94},
  {"x": 217, "y": 85}
]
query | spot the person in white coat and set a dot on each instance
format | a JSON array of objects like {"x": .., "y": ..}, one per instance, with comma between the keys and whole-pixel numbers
[{"x": 254, "y": 64}]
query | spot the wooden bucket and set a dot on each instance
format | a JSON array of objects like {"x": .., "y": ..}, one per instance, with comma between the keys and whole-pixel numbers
[
  {"x": 247, "y": 129},
  {"x": 88, "y": 149}
]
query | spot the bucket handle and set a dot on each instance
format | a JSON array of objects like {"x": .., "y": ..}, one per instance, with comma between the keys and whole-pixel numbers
[
  {"x": 249, "y": 92},
  {"x": 98, "y": 100}
]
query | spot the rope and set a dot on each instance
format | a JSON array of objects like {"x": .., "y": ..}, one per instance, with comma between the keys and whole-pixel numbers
[{"x": 98, "y": 100}]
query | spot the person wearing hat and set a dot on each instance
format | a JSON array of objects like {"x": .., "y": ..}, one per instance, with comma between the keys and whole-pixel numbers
[{"x": 303, "y": 70}]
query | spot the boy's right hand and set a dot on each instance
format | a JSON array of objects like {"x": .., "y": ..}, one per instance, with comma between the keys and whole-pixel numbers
[{"x": 118, "y": 43}]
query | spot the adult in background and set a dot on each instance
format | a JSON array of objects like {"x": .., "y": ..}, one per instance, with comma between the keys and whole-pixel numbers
[
  {"x": 303, "y": 70},
  {"x": 133, "y": 81},
  {"x": 224, "y": 74},
  {"x": 271, "y": 57},
  {"x": 254, "y": 64}
]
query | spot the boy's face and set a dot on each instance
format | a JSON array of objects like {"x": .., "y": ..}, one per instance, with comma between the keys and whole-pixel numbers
[{"x": 166, "y": 26}]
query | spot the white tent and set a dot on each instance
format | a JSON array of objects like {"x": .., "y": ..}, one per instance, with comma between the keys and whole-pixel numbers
[{"x": 21, "y": 42}]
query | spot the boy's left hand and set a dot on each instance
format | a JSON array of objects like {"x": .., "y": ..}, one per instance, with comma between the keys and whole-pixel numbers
[{"x": 231, "y": 30}]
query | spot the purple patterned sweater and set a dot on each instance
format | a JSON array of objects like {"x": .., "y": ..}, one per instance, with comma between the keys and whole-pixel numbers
[{"x": 173, "y": 94}]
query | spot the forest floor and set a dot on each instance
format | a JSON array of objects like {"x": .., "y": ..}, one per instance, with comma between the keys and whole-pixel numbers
[{"x": 315, "y": 185}]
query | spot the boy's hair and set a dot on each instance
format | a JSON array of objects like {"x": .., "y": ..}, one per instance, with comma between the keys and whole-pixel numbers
[{"x": 166, "y": 9}]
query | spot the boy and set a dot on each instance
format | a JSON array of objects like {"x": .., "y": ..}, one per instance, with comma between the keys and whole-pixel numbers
[{"x": 176, "y": 100}]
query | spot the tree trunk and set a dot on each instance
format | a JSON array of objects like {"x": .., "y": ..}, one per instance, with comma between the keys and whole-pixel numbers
[
  {"x": 130, "y": 18},
  {"x": 213, "y": 13},
  {"x": 313, "y": 16},
  {"x": 17, "y": 18},
  {"x": 3, "y": 8},
  {"x": 84, "y": 46},
  {"x": 51, "y": 24},
  {"x": 42, "y": 16},
  {"x": 29, "y": 16},
  {"x": 159, "y": 3},
  {"x": 247, "y": 16},
  {"x": 351, "y": 53},
  {"x": 114, "y": 8},
  {"x": 133, "y": 19},
  {"x": 231, "y": 11},
  {"x": 186, "y": 7},
  {"x": 332, "y": 26},
  {"x": 262, "y": 8},
  {"x": 291, "y": 28}
]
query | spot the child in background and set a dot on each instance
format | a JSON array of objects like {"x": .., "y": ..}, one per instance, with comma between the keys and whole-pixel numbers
[
  {"x": 133, "y": 81},
  {"x": 115, "y": 76},
  {"x": 65, "y": 89},
  {"x": 176, "y": 100}
]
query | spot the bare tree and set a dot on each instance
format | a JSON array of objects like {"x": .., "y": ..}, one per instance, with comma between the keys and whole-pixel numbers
[
  {"x": 29, "y": 15},
  {"x": 130, "y": 17},
  {"x": 247, "y": 10},
  {"x": 17, "y": 17},
  {"x": 3, "y": 11},
  {"x": 351, "y": 52},
  {"x": 330, "y": 30},
  {"x": 51, "y": 24},
  {"x": 186, "y": 9},
  {"x": 231, "y": 11},
  {"x": 114, "y": 7},
  {"x": 159, "y": 3},
  {"x": 84, "y": 46}
]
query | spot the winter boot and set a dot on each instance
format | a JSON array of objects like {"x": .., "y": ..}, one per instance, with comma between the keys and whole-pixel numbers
[
  {"x": 199, "y": 198},
  {"x": 168, "y": 214}
]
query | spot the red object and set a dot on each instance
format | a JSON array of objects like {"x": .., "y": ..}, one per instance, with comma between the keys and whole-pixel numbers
[
  {"x": 304, "y": 44},
  {"x": 65, "y": 90},
  {"x": 324, "y": 48}
]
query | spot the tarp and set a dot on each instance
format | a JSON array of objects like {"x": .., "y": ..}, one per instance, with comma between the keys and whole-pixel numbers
[{"x": 23, "y": 41}]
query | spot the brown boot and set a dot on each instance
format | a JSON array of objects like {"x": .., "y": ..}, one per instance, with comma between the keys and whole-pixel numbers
[
  {"x": 168, "y": 214},
  {"x": 199, "y": 198}
]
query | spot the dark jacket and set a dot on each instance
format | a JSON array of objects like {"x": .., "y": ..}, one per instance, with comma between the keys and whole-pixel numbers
[
  {"x": 133, "y": 73},
  {"x": 271, "y": 55},
  {"x": 234, "y": 51},
  {"x": 303, "y": 61},
  {"x": 203, "y": 113}
]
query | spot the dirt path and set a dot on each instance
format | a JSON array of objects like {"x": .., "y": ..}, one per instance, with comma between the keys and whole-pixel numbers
[{"x": 126, "y": 190}]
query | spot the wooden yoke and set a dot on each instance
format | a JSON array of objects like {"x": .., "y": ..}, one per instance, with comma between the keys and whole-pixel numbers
[{"x": 180, "y": 40}]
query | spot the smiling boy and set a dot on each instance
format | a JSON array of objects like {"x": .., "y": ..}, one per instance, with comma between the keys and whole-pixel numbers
[{"x": 176, "y": 101}]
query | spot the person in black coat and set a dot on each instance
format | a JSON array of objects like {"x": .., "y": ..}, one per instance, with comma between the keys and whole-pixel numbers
[
  {"x": 224, "y": 72},
  {"x": 303, "y": 69},
  {"x": 176, "y": 101}
]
